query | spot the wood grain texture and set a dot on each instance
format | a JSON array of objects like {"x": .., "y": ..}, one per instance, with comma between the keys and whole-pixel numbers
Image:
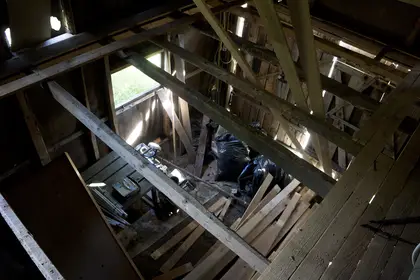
[{"x": 179, "y": 196}]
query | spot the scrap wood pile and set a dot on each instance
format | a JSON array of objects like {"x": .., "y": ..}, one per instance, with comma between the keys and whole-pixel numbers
[{"x": 271, "y": 219}]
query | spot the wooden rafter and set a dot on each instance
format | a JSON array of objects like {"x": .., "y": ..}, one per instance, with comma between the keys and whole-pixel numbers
[
  {"x": 33, "y": 128},
  {"x": 283, "y": 107},
  {"x": 305, "y": 41},
  {"x": 180, "y": 74},
  {"x": 239, "y": 57},
  {"x": 336, "y": 88},
  {"x": 360, "y": 60},
  {"x": 300, "y": 169},
  {"x": 376, "y": 134},
  {"x": 179, "y": 196},
  {"x": 90, "y": 55},
  {"x": 278, "y": 39}
]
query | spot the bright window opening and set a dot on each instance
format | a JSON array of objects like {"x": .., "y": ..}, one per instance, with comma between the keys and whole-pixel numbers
[
  {"x": 130, "y": 82},
  {"x": 8, "y": 36},
  {"x": 55, "y": 23}
]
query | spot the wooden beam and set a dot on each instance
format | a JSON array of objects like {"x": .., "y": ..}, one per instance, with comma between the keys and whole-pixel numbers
[
  {"x": 302, "y": 243},
  {"x": 92, "y": 55},
  {"x": 180, "y": 74},
  {"x": 179, "y": 196},
  {"x": 288, "y": 110},
  {"x": 109, "y": 97},
  {"x": 86, "y": 102},
  {"x": 168, "y": 106},
  {"x": 35, "y": 56},
  {"x": 336, "y": 88},
  {"x": 33, "y": 129},
  {"x": 239, "y": 57},
  {"x": 300, "y": 169},
  {"x": 201, "y": 150},
  {"x": 227, "y": 41},
  {"x": 305, "y": 41},
  {"x": 332, "y": 48}
]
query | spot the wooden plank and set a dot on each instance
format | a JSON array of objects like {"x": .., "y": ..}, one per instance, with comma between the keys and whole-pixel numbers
[
  {"x": 70, "y": 236},
  {"x": 288, "y": 110},
  {"x": 176, "y": 272},
  {"x": 305, "y": 40},
  {"x": 108, "y": 171},
  {"x": 303, "y": 242},
  {"x": 92, "y": 137},
  {"x": 109, "y": 97},
  {"x": 179, "y": 196},
  {"x": 90, "y": 56},
  {"x": 338, "y": 89},
  {"x": 257, "y": 198},
  {"x": 225, "y": 209},
  {"x": 394, "y": 103},
  {"x": 377, "y": 254},
  {"x": 221, "y": 256},
  {"x": 227, "y": 41},
  {"x": 399, "y": 264},
  {"x": 99, "y": 165},
  {"x": 180, "y": 74},
  {"x": 174, "y": 240},
  {"x": 319, "y": 256},
  {"x": 263, "y": 243},
  {"x": 33, "y": 128},
  {"x": 358, "y": 239},
  {"x": 180, "y": 130},
  {"x": 184, "y": 247},
  {"x": 291, "y": 164},
  {"x": 35, "y": 56},
  {"x": 201, "y": 150},
  {"x": 276, "y": 189}
]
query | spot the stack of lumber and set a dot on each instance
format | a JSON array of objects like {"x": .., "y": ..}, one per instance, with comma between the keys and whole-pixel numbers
[
  {"x": 269, "y": 222},
  {"x": 186, "y": 238}
]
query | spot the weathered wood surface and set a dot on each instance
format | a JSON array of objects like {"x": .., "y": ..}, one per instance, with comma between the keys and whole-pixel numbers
[{"x": 179, "y": 196}]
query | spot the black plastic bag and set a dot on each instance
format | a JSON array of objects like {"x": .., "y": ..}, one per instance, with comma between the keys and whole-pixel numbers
[
  {"x": 232, "y": 156},
  {"x": 255, "y": 172}
]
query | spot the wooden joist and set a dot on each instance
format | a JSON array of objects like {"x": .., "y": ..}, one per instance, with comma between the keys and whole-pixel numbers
[
  {"x": 201, "y": 149},
  {"x": 221, "y": 256},
  {"x": 305, "y": 41},
  {"x": 322, "y": 219},
  {"x": 33, "y": 128},
  {"x": 179, "y": 196},
  {"x": 239, "y": 57},
  {"x": 34, "y": 57},
  {"x": 287, "y": 109},
  {"x": 180, "y": 74},
  {"x": 167, "y": 104},
  {"x": 359, "y": 60},
  {"x": 336, "y": 88},
  {"x": 300, "y": 169},
  {"x": 92, "y": 55},
  {"x": 359, "y": 237},
  {"x": 227, "y": 41}
]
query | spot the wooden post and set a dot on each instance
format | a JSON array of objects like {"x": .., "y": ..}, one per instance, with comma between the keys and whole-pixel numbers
[
  {"x": 33, "y": 129},
  {"x": 305, "y": 40},
  {"x": 179, "y": 196}
]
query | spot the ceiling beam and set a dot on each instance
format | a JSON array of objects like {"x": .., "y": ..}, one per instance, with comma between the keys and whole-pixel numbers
[
  {"x": 288, "y": 110},
  {"x": 178, "y": 195},
  {"x": 297, "y": 167},
  {"x": 279, "y": 42},
  {"x": 92, "y": 55},
  {"x": 239, "y": 57},
  {"x": 305, "y": 41},
  {"x": 359, "y": 60},
  {"x": 334, "y": 87}
]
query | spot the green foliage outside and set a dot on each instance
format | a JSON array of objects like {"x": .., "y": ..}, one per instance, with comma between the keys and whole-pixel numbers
[{"x": 130, "y": 82}]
